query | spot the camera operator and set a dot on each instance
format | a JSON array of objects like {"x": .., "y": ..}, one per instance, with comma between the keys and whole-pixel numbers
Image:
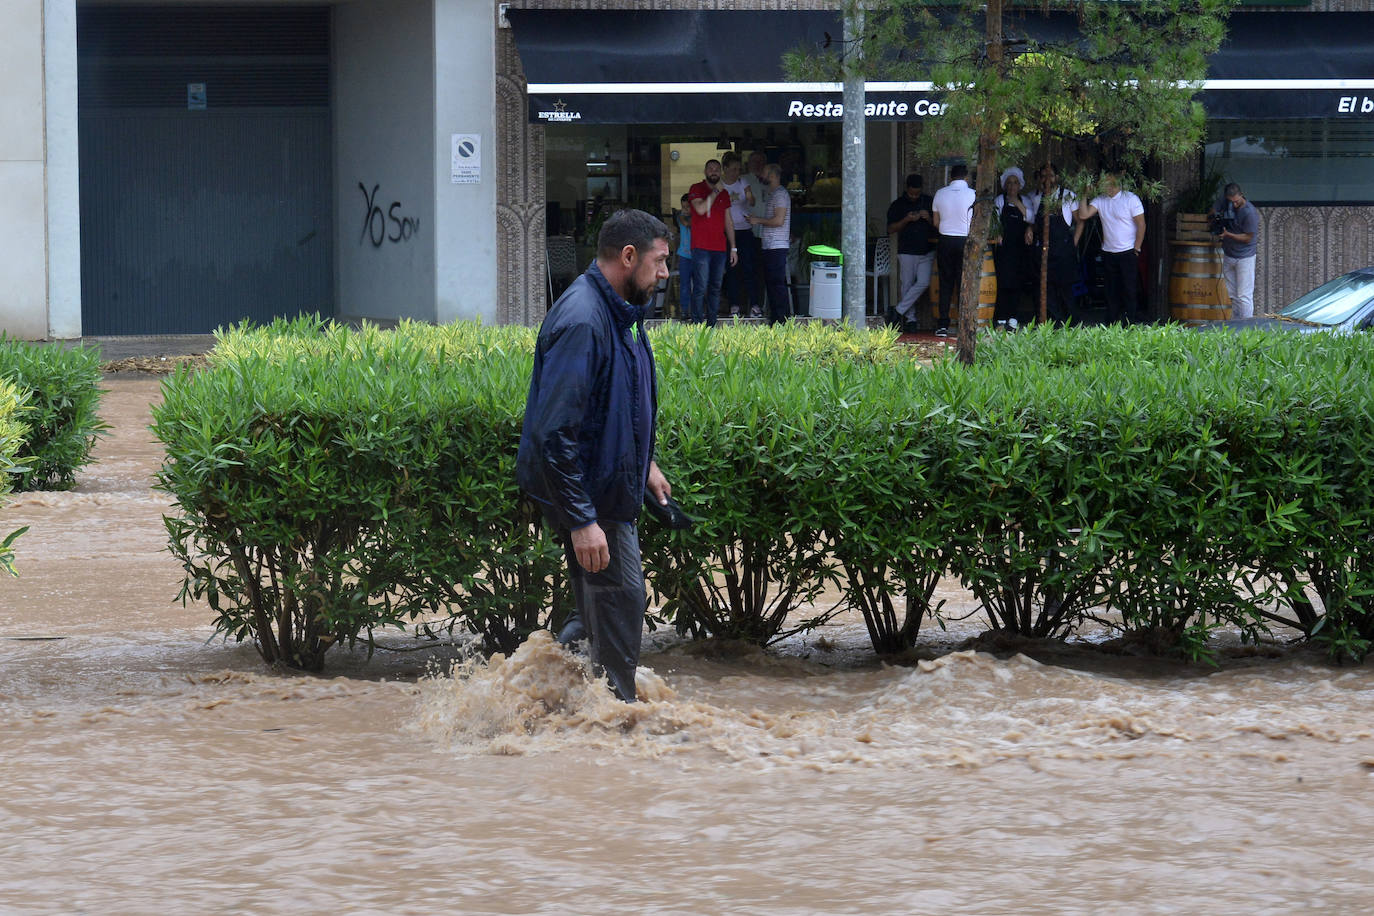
[{"x": 1236, "y": 221}]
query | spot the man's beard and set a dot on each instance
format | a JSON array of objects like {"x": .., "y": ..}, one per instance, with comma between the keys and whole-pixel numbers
[{"x": 642, "y": 296}]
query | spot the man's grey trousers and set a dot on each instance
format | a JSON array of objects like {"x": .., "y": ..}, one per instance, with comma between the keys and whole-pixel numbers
[{"x": 610, "y": 606}]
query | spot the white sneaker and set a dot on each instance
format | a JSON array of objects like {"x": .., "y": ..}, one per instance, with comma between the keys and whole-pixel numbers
[
  {"x": 942, "y": 332},
  {"x": 1011, "y": 324}
]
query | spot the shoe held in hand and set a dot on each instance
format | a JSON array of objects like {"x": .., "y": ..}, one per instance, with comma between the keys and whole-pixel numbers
[{"x": 669, "y": 514}]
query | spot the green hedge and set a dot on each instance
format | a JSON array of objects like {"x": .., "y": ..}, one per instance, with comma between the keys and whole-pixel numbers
[
  {"x": 13, "y": 406},
  {"x": 63, "y": 386},
  {"x": 331, "y": 482}
]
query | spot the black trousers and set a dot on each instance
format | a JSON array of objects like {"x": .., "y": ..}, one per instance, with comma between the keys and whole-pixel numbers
[
  {"x": 775, "y": 275},
  {"x": 950, "y": 259},
  {"x": 744, "y": 281},
  {"x": 611, "y": 605},
  {"x": 1120, "y": 274},
  {"x": 1059, "y": 296}
]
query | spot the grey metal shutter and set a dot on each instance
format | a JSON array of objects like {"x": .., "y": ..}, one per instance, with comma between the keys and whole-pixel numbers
[{"x": 196, "y": 218}]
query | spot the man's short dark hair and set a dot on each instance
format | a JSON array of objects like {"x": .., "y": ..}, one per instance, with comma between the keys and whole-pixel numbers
[
  {"x": 957, "y": 172},
  {"x": 629, "y": 227},
  {"x": 729, "y": 159},
  {"x": 914, "y": 181},
  {"x": 1232, "y": 190}
]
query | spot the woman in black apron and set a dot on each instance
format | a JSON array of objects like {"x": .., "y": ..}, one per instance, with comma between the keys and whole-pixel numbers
[
  {"x": 1064, "y": 233},
  {"x": 1012, "y": 253}
]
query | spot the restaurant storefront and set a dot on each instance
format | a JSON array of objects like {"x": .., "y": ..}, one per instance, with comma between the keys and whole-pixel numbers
[{"x": 617, "y": 93}]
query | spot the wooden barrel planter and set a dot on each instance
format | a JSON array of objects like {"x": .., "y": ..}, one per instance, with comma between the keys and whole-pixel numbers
[
  {"x": 1192, "y": 227},
  {"x": 1197, "y": 290},
  {"x": 987, "y": 293}
]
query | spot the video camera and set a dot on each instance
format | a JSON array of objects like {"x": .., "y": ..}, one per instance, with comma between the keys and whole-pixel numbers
[{"x": 1220, "y": 224}]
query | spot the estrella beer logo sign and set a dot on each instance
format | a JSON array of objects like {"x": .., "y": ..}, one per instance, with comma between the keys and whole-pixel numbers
[{"x": 560, "y": 113}]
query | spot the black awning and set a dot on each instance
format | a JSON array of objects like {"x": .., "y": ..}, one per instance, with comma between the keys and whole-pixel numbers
[
  {"x": 725, "y": 66},
  {"x": 1302, "y": 65}
]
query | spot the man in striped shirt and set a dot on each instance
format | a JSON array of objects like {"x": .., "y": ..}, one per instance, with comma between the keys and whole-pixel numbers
[{"x": 776, "y": 223}]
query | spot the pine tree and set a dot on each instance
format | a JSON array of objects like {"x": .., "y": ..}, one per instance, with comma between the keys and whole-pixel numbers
[{"x": 1114, "y": 80}]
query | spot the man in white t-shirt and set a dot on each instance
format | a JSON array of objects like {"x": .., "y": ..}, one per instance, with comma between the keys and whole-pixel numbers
[
  {"x": 757, "y": 179},
  {"x": 742, "y": 282},
  {"x": 951, "y": 213},
  {"x": 1123, "y": 234},
  {"x": 776, "y": 226}
]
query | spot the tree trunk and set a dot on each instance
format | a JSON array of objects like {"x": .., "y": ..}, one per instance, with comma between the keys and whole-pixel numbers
[
  {"x": 989, "y": 138},
  {"x": 852, "y": 220},
  {"x": 1044, "y": 255}
]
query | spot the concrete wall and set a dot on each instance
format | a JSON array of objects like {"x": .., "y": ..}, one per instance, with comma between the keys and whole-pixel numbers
[
  {"x": 23, "y": 229},
  {"x": 465, "y": 103},
  {"x": 63, "y": 169},
  {"x": 384, "y": 204},
  {"x": 412, "y": 243}
]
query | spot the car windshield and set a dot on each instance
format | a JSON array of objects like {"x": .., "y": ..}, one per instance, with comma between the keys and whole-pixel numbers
[{"x": 1334, "y": 302}]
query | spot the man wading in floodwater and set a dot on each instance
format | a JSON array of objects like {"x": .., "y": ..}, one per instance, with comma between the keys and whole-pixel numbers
[{"x": 587, "y": 447}]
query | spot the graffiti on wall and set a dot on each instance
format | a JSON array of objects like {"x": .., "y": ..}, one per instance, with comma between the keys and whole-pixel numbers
[{"x": 380, "y": 227}]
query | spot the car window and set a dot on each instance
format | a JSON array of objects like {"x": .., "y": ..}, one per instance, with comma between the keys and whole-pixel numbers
[{"x": 1334, "y": 302}]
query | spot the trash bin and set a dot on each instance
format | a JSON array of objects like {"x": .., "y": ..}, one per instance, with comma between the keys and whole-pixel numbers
[
  {"x": 825, "y": 290},
  {"x": 826, "y": 253}
]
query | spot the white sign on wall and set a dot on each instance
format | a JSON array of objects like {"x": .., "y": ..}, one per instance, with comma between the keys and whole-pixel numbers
[{"x": 467, "y": 159}]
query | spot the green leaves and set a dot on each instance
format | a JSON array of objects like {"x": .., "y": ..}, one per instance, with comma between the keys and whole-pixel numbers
[
  {"x": 330, "y": 482},
  {"x": 60, "y": 415}
]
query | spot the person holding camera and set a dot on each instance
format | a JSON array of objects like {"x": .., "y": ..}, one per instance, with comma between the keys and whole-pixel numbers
[{"x": 1236, "y": 221}]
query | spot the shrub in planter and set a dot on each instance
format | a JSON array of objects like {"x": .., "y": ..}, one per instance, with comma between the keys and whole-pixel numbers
[
  {"x": 1309, "y": 467},
  {"x": 883, "y": 496},
  {"x": 737, "y": 439},
  {"x": 1016, "y": 539},
  {"x": 1208, "y": 467},
  {"x": 61, "y": 420},
  {"x": 12, "y": 408},
  {"x": 333, "y": 482}
]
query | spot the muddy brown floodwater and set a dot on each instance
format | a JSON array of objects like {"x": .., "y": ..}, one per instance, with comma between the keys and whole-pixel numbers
[{"x": 149, "y": 768}]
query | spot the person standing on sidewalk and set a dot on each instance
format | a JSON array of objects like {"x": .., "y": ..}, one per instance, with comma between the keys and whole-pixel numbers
[
  {"x": 1239, "y": 235},
  {"x": 909, "y": 218},
  {"x": 742, "y": 279},
  {"x": 757, "y": 179},
  {"x": 713, "y": 241},
  {"x": 686, "y": 270},
  {"x": 953, "y": 212},
  {"x": 1123, "y": 235},
  {"x": 1064, "y": 232},
  {"x": 776, "y": 224},
  {"x": 587, "y": 444}
]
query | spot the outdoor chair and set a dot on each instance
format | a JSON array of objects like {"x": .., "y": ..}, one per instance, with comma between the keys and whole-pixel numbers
[{"x": 879, "y": 272}]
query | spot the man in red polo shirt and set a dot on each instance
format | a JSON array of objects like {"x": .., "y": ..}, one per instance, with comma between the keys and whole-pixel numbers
[{"x": 713, "y": 242}]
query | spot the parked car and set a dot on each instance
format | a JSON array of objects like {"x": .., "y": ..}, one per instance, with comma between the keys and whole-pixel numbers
[{"x": 1343, "y": 305}]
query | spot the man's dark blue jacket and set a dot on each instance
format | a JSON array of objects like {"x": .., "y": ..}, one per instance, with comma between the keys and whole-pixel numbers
[{"x": 581, "y": 456}]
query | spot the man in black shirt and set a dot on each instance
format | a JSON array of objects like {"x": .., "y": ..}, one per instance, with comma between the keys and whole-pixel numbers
[{"x": 909, "y": 217}]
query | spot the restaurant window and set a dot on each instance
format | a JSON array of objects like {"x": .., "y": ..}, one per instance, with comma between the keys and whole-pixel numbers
[
  {"x": 591, "y": 170},
  {"x": 1295, "y": 162}
]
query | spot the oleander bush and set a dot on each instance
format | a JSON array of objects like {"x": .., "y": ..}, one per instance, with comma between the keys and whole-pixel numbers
[
  {"x": 62, "y": 423},
  {"x": 1229, "y": 477},
  {"x": 330, "y": 482},
  {"x": 13, "y": 407},
  {"x": 333, "y": 482}
]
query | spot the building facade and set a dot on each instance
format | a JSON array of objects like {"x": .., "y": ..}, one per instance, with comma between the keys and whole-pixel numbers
[{"x": 179, "y": 166}]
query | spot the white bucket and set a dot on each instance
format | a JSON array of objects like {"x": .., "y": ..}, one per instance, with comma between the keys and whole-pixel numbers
[{"x": 825, "y": 290}]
